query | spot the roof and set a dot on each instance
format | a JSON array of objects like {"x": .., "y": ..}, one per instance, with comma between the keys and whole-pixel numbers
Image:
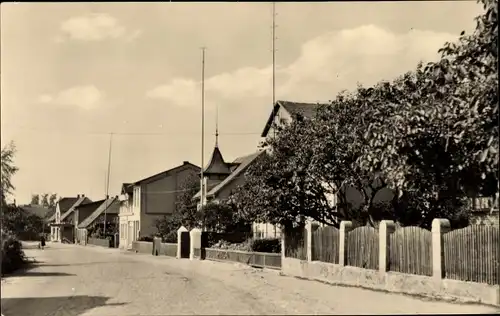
[
  {"x": 216, "y": 165},
  {"x": 127, "y": 188},
  {"x": 294, "y": 108},
  {"x": 82, "y": 199},
  {"x": 243, "y": 163},
  {"x": 40, "y": 211},
  {"x": 166, "y": 173},
  {"x": 111, "y": 206},
  {"x": 65, "y": 204}
]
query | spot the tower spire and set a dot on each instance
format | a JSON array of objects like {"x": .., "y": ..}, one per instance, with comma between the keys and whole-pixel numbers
[{"x": 217, "y": 125}]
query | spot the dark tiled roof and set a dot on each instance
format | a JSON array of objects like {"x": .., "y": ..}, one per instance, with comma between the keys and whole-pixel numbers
[
  {"x": 111, "y": 206},
  {"x": 245, "y": 162},
  {"x": 305, "y": 109},
  {"x": 64, "y": 204},
  {"x": 127, "y": 188},
  {"x": 167, "y": 172},
  {"x": 216, "y": 165},
  {"x": 81, "y": 200}
]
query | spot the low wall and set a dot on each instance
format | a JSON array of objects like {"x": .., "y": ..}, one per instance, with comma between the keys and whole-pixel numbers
[
  {"x": 142, "y": 247},
  {"x": 393, "y": 281},
  {"x": 258, "y": 259},
  {"x": 99, "y": 242},
  {"x": 168, "y": 249}
]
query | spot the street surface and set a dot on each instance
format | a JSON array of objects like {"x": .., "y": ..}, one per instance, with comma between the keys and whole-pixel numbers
[{"x": 76, "y": 280}]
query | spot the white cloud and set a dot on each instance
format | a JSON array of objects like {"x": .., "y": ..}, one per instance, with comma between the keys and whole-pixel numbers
[
  {"x": 327, "y": 64},
  {"x": 84, "y": 97},
  {"x": 95, "y": 27}
]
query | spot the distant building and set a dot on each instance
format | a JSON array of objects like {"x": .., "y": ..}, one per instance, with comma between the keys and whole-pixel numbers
[
  {"x": 149, "y": 199},
  {"x": 62, "y": 228}
]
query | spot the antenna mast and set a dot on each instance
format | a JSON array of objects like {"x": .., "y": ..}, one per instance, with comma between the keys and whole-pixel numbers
[
  {"x": 274, "y": 60},
  {"x": 274, "y": 53},
  {"x": 107, "y": 180},
  {"x": 202, "y": 195}
]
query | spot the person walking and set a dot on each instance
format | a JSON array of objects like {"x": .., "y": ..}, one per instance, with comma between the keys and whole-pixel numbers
[{"x": 42, "y": 241}]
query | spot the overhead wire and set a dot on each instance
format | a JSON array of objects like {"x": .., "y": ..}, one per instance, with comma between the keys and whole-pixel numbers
[{"x": 72, "y": 131}]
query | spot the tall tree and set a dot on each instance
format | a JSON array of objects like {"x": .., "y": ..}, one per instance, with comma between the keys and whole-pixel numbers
[
  {"x": 44, "y": 200},
  {"x": 53, "y": 200},
  {"x": 8, "y": 169},
  {"x": 35, "y": 199}
]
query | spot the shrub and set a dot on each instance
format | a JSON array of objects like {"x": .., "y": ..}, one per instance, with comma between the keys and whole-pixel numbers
[
  {"x": 146, "y": 238},
  {"x": 170, "y": 237},
  {"x": 271, "y": 245},
  {"x": 13, "y": 256}
]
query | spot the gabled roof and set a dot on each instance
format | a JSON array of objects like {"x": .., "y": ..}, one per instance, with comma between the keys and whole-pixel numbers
[
  {"x": 81, "y": 200},
  {"x": 127, "y": 188},
  {"x": 216, "y": 165},
  {"x": 65, "y": 204},
  {"x": 243, "y": 163},
  {"x": 167, "y": 173},
  {"x": 307, "y": 110},
  {"x": 111, "y": 206}
]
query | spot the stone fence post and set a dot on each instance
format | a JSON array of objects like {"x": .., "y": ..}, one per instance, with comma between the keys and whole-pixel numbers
[
  {"x": 194, "y": 243},
  {"x": 308, "y": 228},
  {"x": 386, "y": 228},
  {"x": 179, "y": 240},
  {"x": 440, "y": 226},
  {"x": 345, "y": 227}
]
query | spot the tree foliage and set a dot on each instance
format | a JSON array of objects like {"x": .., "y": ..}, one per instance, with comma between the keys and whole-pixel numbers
[
  {"x": 8, "y": 169},
  {"x": 431, "y": 135}
]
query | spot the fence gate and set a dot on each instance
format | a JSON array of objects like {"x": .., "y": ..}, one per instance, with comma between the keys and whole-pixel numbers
[{"x": 185, "y": 244}]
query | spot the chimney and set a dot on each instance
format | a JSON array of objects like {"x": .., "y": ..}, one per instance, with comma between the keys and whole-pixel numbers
[
  {"x": 78, "y": 196},
  {"x": 186, "y": 162},
  {"x": 83, "y": 195}
]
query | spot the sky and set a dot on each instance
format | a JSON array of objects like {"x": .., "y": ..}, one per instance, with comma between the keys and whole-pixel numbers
[{"x": 71, "y": 73}]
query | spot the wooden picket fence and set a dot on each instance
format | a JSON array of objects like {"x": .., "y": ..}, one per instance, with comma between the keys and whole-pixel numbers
[
  {"x": 296, "y": 244},
  {"x": 362, "y": 248},
  {"x": 472, "y": 254},
  {"x": 325, "y": 244},
  {"x": 410, "y": 251}
]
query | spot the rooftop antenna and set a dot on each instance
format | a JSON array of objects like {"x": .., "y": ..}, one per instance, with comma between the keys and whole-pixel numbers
[{"x": 202, "y": 187}]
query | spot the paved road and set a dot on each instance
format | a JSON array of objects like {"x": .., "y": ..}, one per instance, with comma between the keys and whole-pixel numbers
[{"x": 76, "y": 280}]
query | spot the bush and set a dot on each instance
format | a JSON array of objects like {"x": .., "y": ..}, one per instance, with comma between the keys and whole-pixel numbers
[
  {"x": 270, "y": 245},
  {"x": 13, "y": 256},
  {"x": 170, "y": 237},
  {"x": 146, "y": 238}
]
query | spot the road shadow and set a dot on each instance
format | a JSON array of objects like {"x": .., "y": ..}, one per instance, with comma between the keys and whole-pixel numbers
[
  {"x": 43, "y": 274},
  {"x": 64, "y": 305}
]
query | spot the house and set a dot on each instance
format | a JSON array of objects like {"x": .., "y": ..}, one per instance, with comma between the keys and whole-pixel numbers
[
  {"x": 147, "y": 200},
  {"x": 220, "y": 178},
  {"x": 82, "y": 212},
  {"x": 484, "y": 211},
  {"x": 62, "y": 228},
  {"x": 106, "y": 212},
  {"x": 282, "y": 114}
]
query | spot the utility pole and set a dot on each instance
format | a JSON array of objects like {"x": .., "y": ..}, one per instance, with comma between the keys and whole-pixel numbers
[
  {"x": 202, "y": 195},
  {"x": 107, "y": 181}
]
